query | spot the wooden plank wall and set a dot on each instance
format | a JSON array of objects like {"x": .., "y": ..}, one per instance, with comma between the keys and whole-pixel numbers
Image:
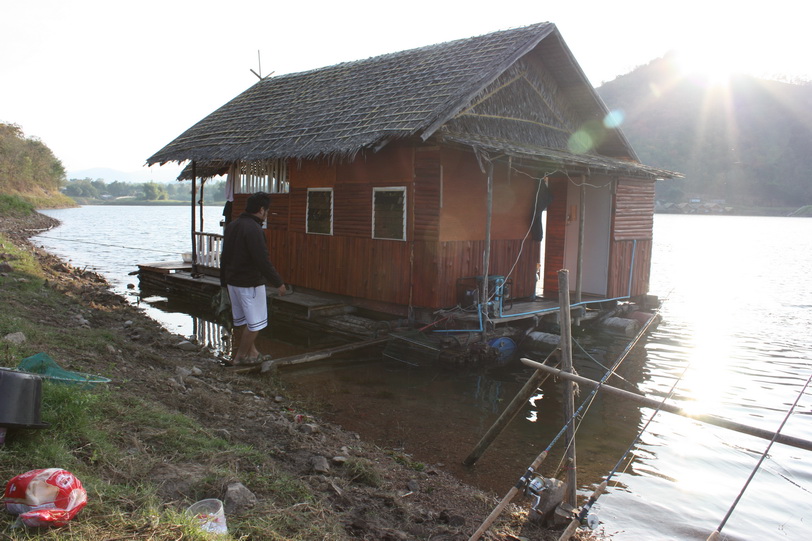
[
  {"x": 427, "y": 194},
  {"x": 634, "y": 210},
  {"x": 555, "y": 237},
  {"x": 459, "y": 259},
  {"x": 352, "y": 266},
  {"x": 632, "y": 232}
]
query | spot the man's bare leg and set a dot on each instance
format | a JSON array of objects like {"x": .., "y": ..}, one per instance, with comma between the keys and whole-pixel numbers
[{"x": 247, "y": 351}]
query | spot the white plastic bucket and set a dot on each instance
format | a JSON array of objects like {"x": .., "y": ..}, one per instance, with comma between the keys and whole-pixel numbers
[{"x": 210, "y": 515}]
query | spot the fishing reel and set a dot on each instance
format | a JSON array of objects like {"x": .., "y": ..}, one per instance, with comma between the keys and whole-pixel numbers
[{"x": 534, "y": 489}]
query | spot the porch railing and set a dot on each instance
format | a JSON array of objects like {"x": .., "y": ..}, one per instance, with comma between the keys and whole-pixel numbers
[{"x": 208, "y": 247}]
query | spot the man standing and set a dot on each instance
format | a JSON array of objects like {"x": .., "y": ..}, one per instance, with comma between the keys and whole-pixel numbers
[{"x": 244, "y": 268}]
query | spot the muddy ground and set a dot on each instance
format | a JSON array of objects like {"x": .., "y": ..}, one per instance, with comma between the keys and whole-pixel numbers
[{"x": 407, "y": 504}]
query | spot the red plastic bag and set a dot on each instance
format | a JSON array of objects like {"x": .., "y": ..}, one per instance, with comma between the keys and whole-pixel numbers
[{"x": 49, "y": 497}]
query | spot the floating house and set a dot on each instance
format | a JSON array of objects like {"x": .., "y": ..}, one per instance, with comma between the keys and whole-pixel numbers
[{"x": 466, "y": 173}]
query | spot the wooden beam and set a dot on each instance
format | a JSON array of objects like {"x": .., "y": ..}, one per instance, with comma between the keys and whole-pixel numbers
[
  {"x": 670, "y": 408},
  {"x": 319, "y": 355}
]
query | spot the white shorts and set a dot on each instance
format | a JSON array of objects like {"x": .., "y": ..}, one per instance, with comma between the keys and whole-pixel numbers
[{"x": 249, "y": 306}]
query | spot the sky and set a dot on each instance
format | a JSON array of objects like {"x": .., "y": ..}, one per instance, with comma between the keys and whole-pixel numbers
[{"x": 106, "y": 84}]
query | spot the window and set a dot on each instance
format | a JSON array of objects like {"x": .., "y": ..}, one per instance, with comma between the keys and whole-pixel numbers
[
  {"x": 389, "y": 213},
  {"x": 320, "y": 211},
  {"x": 260, "y": 176}
]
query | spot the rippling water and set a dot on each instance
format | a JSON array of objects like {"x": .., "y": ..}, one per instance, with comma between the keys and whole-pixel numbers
[{"x": 737, "y": 314}]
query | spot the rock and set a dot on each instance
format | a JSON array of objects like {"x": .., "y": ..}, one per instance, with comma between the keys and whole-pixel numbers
[
  {"x": 549, "y": 499},
  {"x": 237, "y": 498},
  {"x": 110, "y": 349},
  {"x": 319, "y": 464},
  {"x": 16, "y": 338},
  {"x": 182, "y": 372},
  {"x": 5, "y": 267},
  {"x": 186, "y": 346},
  {"x": 455, "y": 521},
  {"x": 309, "y": 428},
  {"x": 222, "y": 433},
  {"x": 278, "y": 399},
  {"x": 196, "y": 371},
  {"x": 339, "y": 460},
  {"x": 413, "y": 486},
  {"x": 128, "y": 323}
]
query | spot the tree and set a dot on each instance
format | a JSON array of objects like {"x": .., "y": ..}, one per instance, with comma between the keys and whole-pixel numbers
[
  {"x": 155, "y": 192},
  {"x": 27, "y": 164}
]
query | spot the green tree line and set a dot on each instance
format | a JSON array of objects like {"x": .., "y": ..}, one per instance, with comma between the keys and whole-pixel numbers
[
  {"x": 26, "y": 164},
  {"x": 98, "y": 190}
]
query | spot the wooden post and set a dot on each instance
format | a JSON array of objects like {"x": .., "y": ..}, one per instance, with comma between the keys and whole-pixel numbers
[
  {"x": 581, "y": 226},
  {"x": 200, "y": 204},
  {"x": 194, "y": 195},
  {"x": 507, "y": 415},
  {"x": 566, "y": 366},
  {"x": 486, "y": 256}
]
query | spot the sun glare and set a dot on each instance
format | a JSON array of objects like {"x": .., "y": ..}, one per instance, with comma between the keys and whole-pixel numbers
[{"x": 714, "y": 68}]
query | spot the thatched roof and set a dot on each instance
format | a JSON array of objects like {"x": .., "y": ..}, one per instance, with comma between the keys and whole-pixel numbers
[{"x": 340, "y": 110}]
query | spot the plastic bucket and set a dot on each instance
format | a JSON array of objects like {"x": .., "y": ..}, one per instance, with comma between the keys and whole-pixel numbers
[{"x": 209, "y": 513}]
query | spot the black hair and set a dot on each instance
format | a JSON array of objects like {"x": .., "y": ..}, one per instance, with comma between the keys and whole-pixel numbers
[{"x": 259, "y": 200}]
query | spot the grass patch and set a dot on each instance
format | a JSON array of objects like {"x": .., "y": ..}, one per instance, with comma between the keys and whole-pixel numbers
[
  {"x": 15, "y": 206},
  {"x": 130, "y": 452},
  {"x": 406, "y": 460},
  {"x": 360, "y": 470}
]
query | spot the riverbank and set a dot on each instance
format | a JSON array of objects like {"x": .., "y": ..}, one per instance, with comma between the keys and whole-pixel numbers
[{"x": 173, "y": 427}]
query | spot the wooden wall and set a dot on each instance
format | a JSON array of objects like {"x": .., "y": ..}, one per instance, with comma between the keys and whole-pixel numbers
[
  {"x": 632, "y": 232},
  {"x": 445, "y": 228}
]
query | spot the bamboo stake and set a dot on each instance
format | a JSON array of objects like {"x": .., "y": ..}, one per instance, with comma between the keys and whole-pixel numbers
[
  {"x": 565, "y": 324},
  {"x": 509, "y": 413},
  {"x": 651, "y": 403},
  {"x": 486, "y": 256}
]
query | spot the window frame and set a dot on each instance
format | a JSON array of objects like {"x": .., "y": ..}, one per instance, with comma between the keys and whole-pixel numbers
[
  {"x": 307, "y": 210},
  {"x": 401, "y": 189}
]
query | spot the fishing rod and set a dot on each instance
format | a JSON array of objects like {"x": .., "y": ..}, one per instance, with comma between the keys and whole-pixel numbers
[
  {"x": 718, "y": 532},
  {"x": 524, "y": 480},
  {"x": 104, "y": 244},
  {"x": 582, "y": 515}
]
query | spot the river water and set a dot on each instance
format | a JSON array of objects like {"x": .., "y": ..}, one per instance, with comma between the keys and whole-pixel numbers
[{"x": 735, "y": 338}]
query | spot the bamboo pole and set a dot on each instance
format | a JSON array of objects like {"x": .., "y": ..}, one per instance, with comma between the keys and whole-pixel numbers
[
  {"x": 569, "y": 401},
  {"x": 509, "y": 413},
  {"x": 486, "y": 256},
  {"x": 651, "y": 403},
  {"x": 312, "y": 356}
]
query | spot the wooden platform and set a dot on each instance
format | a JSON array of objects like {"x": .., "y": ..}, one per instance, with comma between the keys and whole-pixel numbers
[{"x": 175, "y": 278}]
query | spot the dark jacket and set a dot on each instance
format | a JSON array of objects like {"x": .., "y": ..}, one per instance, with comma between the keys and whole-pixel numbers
[{"x": 244, "y": 261}]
